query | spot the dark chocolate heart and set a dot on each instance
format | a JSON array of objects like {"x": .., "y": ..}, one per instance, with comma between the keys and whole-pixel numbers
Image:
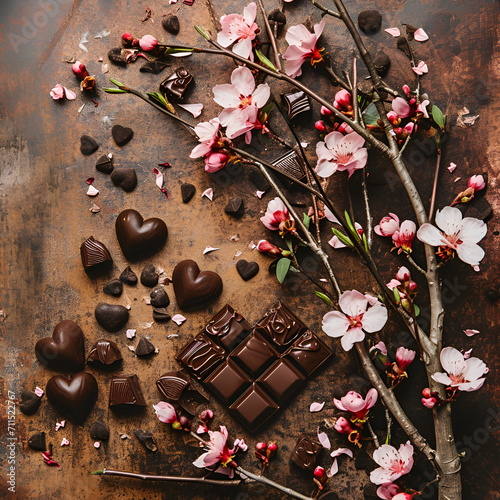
[
  {"x": 112, "y": 317},
  {"x": 73, "y": 398},
  {"x": 128, "y": 276},
  {"x": 247, "y": 270},
  {"x": 126, "y": 178},
  {"x": 149, "y": 276},
  {"x": 187, "y": 192},
  {"x": 234, "y": 207},
  {"x": 37, "y": 442},
  {"x": 65, "y": 350},
  {"x": 121, "y": 135},
  {"x": 113, "y": 287},
  {"x": 194, "y": 288},
  {"x": 105, "y": 164},
  {"x": 139, "y": 238},
  {"x": 29, "y": 403},
  {"x": 88, "y": 145},
  {"x": 96, "y": 258},
  {"x": 159, "y": 297}
]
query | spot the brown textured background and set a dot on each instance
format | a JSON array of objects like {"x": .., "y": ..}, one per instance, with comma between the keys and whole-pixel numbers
[{"x": 45, "y": 216}]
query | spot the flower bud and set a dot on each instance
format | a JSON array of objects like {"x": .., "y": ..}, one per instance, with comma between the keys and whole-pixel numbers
[
  {"x": 216, "y": 161},
  {"x": 135, "y": 42},
  {"x": 406, "y": 90},
  {"x": 79, "y": 70},
  {"x": 410, "y": 127},
  {"x": 320, "y": 126},
  {"x": 404, "y": 358},
  {"x": 319, "y": 472},
  {"x": 206, "y": 415},
  {"x": 345, "y": 129},
  {"x": 261, "y": 447},
  {"x": 392, "y": 116},
  {"x": 413, "y": 101},
  {"x": 343, "y": 426},
  {"x": 127, "y": 39},
  {"x": 148, "y": 43},
  {"x": 477, "y": 183},
  {"x": 403, "y": 274},
  {"x": 185, "y": 423},
  {"x": 412, "y": 286},
  {"x": 272, "y": 447},
  {"x": 325, "y": 111},
  {"x": 176, "y": 425},
  {"x": 398, "y": 130},
  {"x": 429, "y": 402},
  {"x": 265, "y": 247},
  {"x": 387, "y": 226},
  {"x": 426, "y": 393},
  {"x": 342, "y": 99}
]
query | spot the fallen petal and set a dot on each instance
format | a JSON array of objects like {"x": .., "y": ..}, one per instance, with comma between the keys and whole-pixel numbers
[
  {"x": 237, "y": 254},
  {"x": 234, "y": 237},
  {"x": 178, "y": 319},
  {"x": 70, "y": 95},
  {"x": 316, "y": 407},
  {"x": 97, "y": 444},
  {"x": 81, "y": 108},
  {"x": 209, "y": 249},
  {"x": 333, "y": 469},
  {"x": 467, "y": 354},
  {"x": 323, "y": 439},
  {"x": 90, "y": 180},
  {"x": 181, "y": 54},
  {"x": 194, "y": 109},
  {"x": 131, "y": 333},
  {"x": 147, "y": 324},
  {"x": 47, "y": 458},
  {"x": 393, "y": 31},
  {"x": 421, "y": 68},
  {"x": 95, "y": 209},
  {"x": 471, "y": 333},
  {"x": 304, "y": 144},
  {"x": 64, "y": 442},
  {"x": 260, "y": 194},
  {"x": 341, "y": 451},
  {"x": 420, "y": 35},
  {"x": 209, "y": 193},
  {"x": 452, "y": 167},
  {"x": 159, "y": 178},
  {"x": 92, "y": 191},
  {"x": 39, "y": 392},
  {"x": 252, "y": 245}
]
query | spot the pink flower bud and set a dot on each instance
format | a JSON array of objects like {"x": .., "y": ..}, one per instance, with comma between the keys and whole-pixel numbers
[
  {"x": 127, "y": 39},
  {"x": 403, "y": 274},
  {"x": 406, "y": 90},
  {"x": 319, "y": 472},
  {"x": 343, "y": 426},
  {"x": 185, "y": 423},
  {"x": 216, "y": 161},
  {"x": 272, "y": 447},
  {"x": 325, "y": 111},
  {"x": 135, "y": 42},
  {"x": 392, "y": 116},
  {"x": 410, "y": 128},
  {"x": 413, "y": 101},
  {"x": 398, "y": 130},
  {"x": 345, "y": 129},
  {"x": 477, "y": 183},
  {"x": 206, "y": 415},
  {"x": 387, "y": 226},
  {"x": 165, "y": 412},
  {"x": 429, "y": 402},
  {"x": 404, "y": 358},
  {"x": 426, "y": 393},
  {"x": 381, "y": 347},
  {"x": 343, "y": 99},
  {"x": 261, "y": 447},
  {"x": 412, "y": 286},
  {"x": 320, "y": 126},
  {"x": 403, "y": 238},
  {"x": 265, "y": 247},
  {"x": 79, "y": 70},
  {"x": 148, "y": 43}
]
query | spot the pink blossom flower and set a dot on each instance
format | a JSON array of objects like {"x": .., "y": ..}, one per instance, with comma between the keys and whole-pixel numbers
[
  {"x": 404, "y": 358},
  {"x": 387, "y": 491},
  {"x": 477, "y": 183},
  {"x": 355, "y": 319},
  {"x": 388, "y": 225},
  {"x": 241, "y": 101},
  {"x": 465, "y": 374},
  {"x": 461, "y": 235},
  {"x": 215, "y": 161},
  {"x": 265, "y": 247},
  {"x": 276, "y": 215},
  {"x": 343, "y": 426},
  {"x": 354, "y": 403},
  {"x": 79, "y": 70},
  {"x": 393, "y": 463},
  {"x": 60, "y": 91},
  {"x": 148, "y": 43},
  {"x": 381, "y": 347},
  {"x": 429, "y": 402},
  {"x": 422, "y": 108},
  {"x": 343, "y": 100},
  {"x": 403, "y": 274},
  {"x": 393, "y": 284},
  {"x": 208, "y": 135},
  {"x": 340, "y": 152},
  {"x": 302, "y": 45},
  {"x": 421, "y": 68},
  {"x": 165, "y": 412},
  {"x": 217, "y": 450},
  {"x": 410, "y": 127},
  {"x": 403, "y": 237},
  {"x": 401, "y": 107},
  {"x": 240, "y": 29}
]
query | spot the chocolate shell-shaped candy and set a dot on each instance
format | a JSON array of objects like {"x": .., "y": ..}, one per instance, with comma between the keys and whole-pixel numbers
[
  {"x": 177, "y": 83},
  {"x": 291, "y": 164},
  {"x": 105, "y": 164},
  {"x": 104, "y": 352},
  {"x": 96, "y": 258},
  {"x": 125, "y": 391},
  {"x": 296, "y": 103}
]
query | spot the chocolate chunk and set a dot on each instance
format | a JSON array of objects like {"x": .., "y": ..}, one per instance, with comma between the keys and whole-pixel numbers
[
  {"x": 139, "y": 238},
  {"x": 259, "y": 181},
  {"x": 121, "y": 135},
  {"x": 65, "y": 350},
  {"x": 403, "y": 46},
  {"x": 306, "y": 452},
  {"x": 99, "y": 431},
  {"x": 96, "y": 258},
  {"x": 105, "y": 164},
  {"x": 201, "y": 356},
  {"x": 125, "y": 391},
  {"x": 37, "y": 442},
  {"x": 228, "y": 382},
  {"x": 161, "y": 315},
  {"x": 88, "y": 145},
  {"x": 126, "y": 178},
  {"x": 254, "y": 355},
  {"x": 282, "y": 380},
  {"x": 187, "y": 192},
  {"x": 105, "y": 353},
  {"x": 128, "y": 276},
  {"x": 159, "y": 297},
  {"x": 171, "y": 24},
  {"x": 112, "y": 317},
  {"x": 276, "y": 17},
  {"x": 382, "y": 63},
  {"x": 177, "y": 83},
  {"x": 73, "y": 398},
  {"x": 30, "y": 402},
  {"x": 291, "y": 164},
  {"x": 194, "y": 288},
  {"x": 228, "y": 328},
  {"x": 154, "y": 67},
  {"x": 369, "y": 21},
  {"x": 149, "y": 276},
  {"x": 297, "y": 104},
  {"x": 247, "y": 270},
  {"x": 117, "y": 56},
  {"x": 144, "y": 347},
  {"x": 146, "y": 439},
  {"x": 234, "y": 207},
  {"x": 113, "y": 287},
  {"x": 308, "y": 352}
]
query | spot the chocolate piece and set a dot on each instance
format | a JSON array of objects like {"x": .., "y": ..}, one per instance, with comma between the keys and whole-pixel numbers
[
  {"x": 308, "y": 352},
  {"x": 254, "y": 355},
  {"x": 161, "y": 315},
  {"x": 187, "y": 192},
  {"x": 121, "y": 135},
  {"x": 88, "y": 145},
  {"x": 104, "y": 352},
  {"x": 306, "y": 452},
  {"x": 253, "y": 408},
  {"x": 369, "y": 21},
  {"x": 149, "y": 276},
  {"x": 228, "y": 382},
  {"x": 282, "y": 380},
  {"x": 117, "y": 56},
  {"x": 247, "y": 270},
  {"x": 171, "y": 24},
  {"x": 228, "y": 328},
  {"x": 113, "y": 287},
  {"x": 99, "y": 432},
  {"x": 29, "y": 403},
  {"x": 154, "y": 67},
  {"x": 125, "y": 391},
  {"x": 128, "y": 276},
  {"x": 65, "y": 350},
  {"x": 493, "y": 293},
  {"x": 194, "y": 288},
  {"x": 159, "y": 297},
  {"x": 73, "y": 398},
  {"x": 96, "y": 258},
  {"x": 146, "y": 439},
  {"x": 291, "y": 164},
  {"x": 201, "y": 356},
  {"x": 126, "y": 178},
  {"x": 297, "y": 104},
  {"x": 144, "y": 347},
  {"x": 177, "y": 83},
  {"x": 276, "y": 17},
  {"x": 281, "y": 325},
  {"x": 259, "y": 181},
  {"x": 139, "y": 238},
  {"x": 382, "y": 63},
  {"x": 105, "y": 164},
  {"x": 112, "y": 317},
  {"x": 37, "y": 442},
  {"x": 234, "y": 207}
]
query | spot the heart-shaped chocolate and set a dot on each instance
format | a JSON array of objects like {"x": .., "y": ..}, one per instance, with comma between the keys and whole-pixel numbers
[
  {"x": 247, "y": 270},
  {"x": 121, "y": 135},
  {"x": 112, "y": 317},
  {"x": 65, "y": 350},
  {"x": 73, "y": 398},
  {"x": 194, "y": 288},
  {"x": 126, "y": 178},
  {"x": 88, "y": 145},
  {"x": 139, "y": 238}
]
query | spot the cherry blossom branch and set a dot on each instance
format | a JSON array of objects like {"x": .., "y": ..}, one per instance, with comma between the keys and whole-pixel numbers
[
  {"x": 373, "y": 435},
  {"x": 415, "y": 265},
  {"x": 272, "y": 39},
  {"x": 436, "y": 177},
  {"x": 325, "y": 10}
]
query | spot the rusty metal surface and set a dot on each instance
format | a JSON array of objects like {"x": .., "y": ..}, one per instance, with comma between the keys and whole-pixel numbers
[{"x": 45, "y": 217}]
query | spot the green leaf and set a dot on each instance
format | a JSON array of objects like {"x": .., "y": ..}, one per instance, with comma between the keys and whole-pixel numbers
[
  {"x": 342, "y": 237},
  {"x": 116, "y": 82},
  {"x": 324, "y": 298},
  {"x": 294, "y": 269},
  {"x": 268, "y": 108},
  {"x": 265, "y": 61},
  {"x": 365, "y": 243},
  {"x": 438, "y": 117},
  {"x": 352, "y": 228},
  {"x": 202, "y": 32},
  {"x": 395, "y": 291},
  {"x": 370, "y": 115},
  {"x": 416, "y": 309},
  {"x": 307, "y": 220},
  {"x": 282, "y": 269},
  {"x": 115, "y": 91},
  {"x": 175, "y": 50},
  {"x": 289, "y": 242},
  {"x": 158, "y": 97}
]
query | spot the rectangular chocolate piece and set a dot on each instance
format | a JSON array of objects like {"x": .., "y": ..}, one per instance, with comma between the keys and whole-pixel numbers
[
  {"x": 228, "y": 328},
  {"x": 291, "y": 164},
  {"x": 254, "y": 354},
  {"x": 306, "y": 452},
  {"x": 282, "y": 380},
  {"x": 228, "y": 382},
  {"x": 201, "y": 356},
  {"x": 308, "y": 352},
  {"x": 125, "y": 391}
]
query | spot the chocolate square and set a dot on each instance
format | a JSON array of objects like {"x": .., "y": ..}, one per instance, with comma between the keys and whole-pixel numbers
[
  {"x": 306, "y": 452},
  {"x": 297, "y": 104},
  {"x": 201, "y": 356},
  {"x": 282, "y": 380},
  {"x": 308, "y": 352},
  {"x": 228, "y": 328},
  {"x": 125, "y": 391},
  {"x": 254, "y": 354},
  {"x": 228, "y": 382}
]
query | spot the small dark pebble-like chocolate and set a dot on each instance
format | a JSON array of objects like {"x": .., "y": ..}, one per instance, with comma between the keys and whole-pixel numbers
[
  {"x": 126, "y": 178},
  {"x": 144, "y": 347},
  {"x": 149, "y": 276},
  {"x": 234, "y": 207},
  {"x": 113, "y": 287},
  {"x": 276, "y": 16},
  {"x": 128, "y": 276},
  {"x": 112, "y": 317},
  {"x": 154, "y": 67},
  {"x": 146, "y": 439},
  {"x": 382, "y": 63},
  {"x": 247, "y": 270},
  {"x": 493, "y": 293},
  {"x": 187, "y": 192},
  {"x": 30, "y": 402},
  {"x": 121, "y": 135},
  {"x": 88, "y": 145},
  {"x": 260, "y": 182},
  {"x": 159, "y": 297},
  {"x": 161, "y": 315},
  {"x": 171, "y": 24},
  {"x": 115, "y": 55},
  {"x": 369, "y": 21},
  {"x": 104, "y": 164},
  {"x": 37, "y": 442},
  {"x": 99, "y": 431}
]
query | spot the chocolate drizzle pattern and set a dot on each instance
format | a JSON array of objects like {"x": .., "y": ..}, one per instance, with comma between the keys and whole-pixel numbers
[
  {"x": 177, "y": 83},
  {"x": 306, "y": 452},
  {"x": 93, "y": 254},
  {"x": 201, "y": 356},
  {"x": 125, "y": 391}
]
